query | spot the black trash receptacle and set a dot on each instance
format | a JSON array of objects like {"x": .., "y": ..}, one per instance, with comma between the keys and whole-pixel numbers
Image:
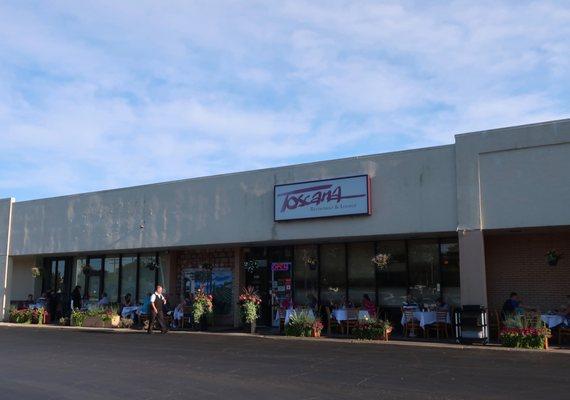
[{"x": 471, "y": 324}]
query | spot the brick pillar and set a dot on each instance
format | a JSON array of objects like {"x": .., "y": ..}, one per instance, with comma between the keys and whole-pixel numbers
[{"x": 472, "y": 267}]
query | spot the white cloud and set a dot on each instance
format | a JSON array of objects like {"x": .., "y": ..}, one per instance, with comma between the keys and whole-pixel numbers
[{"x": 106, "y": 94}]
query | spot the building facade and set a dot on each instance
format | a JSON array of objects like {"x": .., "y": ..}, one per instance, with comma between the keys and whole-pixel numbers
[{"x": 471, "y": 221}]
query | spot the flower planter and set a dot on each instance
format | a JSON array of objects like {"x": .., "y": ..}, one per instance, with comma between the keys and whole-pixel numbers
[
  {"x": 316, "y": 333},
  {"x": 94, "y": 322},
  {"x": 252, "y": 327}
]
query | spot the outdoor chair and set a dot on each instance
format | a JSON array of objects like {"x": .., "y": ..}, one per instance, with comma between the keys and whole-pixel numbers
[
  {"x": 187, "y": 311},
  {"x": 495, "y": 323},
  {"x": 281, "y": 312},
  {"x": 332, "y": 322},
  {"x": 440, "y": 325},
  {"x": 351, "y": 320},
  {"x": 412, "y": 324},
  {"x": 563, "y": 331}
]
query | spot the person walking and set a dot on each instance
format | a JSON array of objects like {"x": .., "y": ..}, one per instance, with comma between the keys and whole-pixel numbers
[{"x": 157, "y": 302}]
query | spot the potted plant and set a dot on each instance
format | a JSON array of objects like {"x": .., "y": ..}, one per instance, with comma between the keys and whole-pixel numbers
[
  {"x": 202, "y": 308},
  {"x": 86, "y": 269},
  {"x": 552, "y": 257},
  {"x": 303, "y": 323},
  {"x": 249, "y": 305},
  {"x": 381, "y": 260}
]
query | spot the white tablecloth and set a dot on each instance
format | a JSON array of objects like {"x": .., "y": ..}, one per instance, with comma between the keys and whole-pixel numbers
[
  {"x": 552, "y": 320},
  {"x": 342, "y": 314},
  {"x": 425, "y": 318},
  {"x": 288, "y": 313},
  {"x": 126, "y": 311}
]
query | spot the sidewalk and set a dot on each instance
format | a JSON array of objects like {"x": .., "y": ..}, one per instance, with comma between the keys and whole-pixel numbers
[{"x": 324, "y": 340}]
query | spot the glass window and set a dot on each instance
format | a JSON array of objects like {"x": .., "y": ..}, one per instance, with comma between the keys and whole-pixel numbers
[
  {"x": 129, "y": 277},
  {"x": 147, "y": 275},
  {"x": 112, "y": 278},
  {"x": 450, "y": 271},
  {"x": 94, "y": 278},
  {"x": 423, "y": 261},
  {"x": 78, "y": 277},
  {"x": 361, "y": 274},
  {"x": 333, "y": 274},
  {"x": 305, "y": 275},
  {"x": 393, "y": 280}
]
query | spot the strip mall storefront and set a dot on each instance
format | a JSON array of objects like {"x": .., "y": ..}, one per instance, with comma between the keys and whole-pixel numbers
[{"x": 470, "y": 222}]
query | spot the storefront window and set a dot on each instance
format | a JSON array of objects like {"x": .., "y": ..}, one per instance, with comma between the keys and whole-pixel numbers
[
  {"x": 94, "y": 278},
  {"x": 450, "y": 271},
  {"x": 78, "y": 277},
  {"x": 423, "y": 261},
  {"x": 361, "y": 274},
  {"x": 129, "y": 277},
  {"x": 112, "y": 278},
  {"x": 147, "y": 276},
  {"x": 393, "y": 280},
  {"x": 306, "y": 275},
  {"x": 333, "y": 274}
]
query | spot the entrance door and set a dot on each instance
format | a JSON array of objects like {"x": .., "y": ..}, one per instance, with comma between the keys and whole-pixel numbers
[{"x": 56, "y": 285}]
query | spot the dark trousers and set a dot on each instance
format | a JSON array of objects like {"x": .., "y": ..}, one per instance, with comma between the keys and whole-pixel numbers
[{"x": 156, "y": 317}]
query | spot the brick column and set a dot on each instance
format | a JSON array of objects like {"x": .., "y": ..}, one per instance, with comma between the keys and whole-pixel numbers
[{"x": 472, "y": 267}]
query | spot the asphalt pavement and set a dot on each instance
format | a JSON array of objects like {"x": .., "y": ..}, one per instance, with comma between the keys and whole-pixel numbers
[{"x": 65, "y": 364}]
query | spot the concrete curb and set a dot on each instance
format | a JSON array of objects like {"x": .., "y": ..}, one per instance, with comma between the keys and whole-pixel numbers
[{"x": 404, "y": 343}]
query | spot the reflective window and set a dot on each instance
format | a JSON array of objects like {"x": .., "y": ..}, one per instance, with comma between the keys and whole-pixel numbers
[
  {"x": 112, "y": 278},
  {"x": 333, "y": 274},
  {"x": 147, "y": 275},
  {"x": 450, "y": 271},
  {"x": 129, "y": 277},
  {"x": 393, "y": 280},
  {"x": 306, "y": 275},
  {"x": 78, "y": 276},
  {"x": 423, "y": 262},
  {"x": 94, "y": 278},
  {"x": 361, "y": 274}
]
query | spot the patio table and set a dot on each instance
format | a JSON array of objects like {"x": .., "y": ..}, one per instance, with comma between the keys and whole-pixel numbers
[
  {"x": 425, "y": 318},
  {"x": 342, "y": 315},
  {"x": 552, "y": 320}
]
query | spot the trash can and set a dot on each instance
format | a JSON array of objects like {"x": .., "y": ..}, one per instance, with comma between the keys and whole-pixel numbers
[{"x": 471, "y": 324}]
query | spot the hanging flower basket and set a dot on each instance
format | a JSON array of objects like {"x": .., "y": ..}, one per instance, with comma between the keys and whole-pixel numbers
[
  {"x": 153, "y": 266},
  {"x": 310, "y": 262},
  {"x": 381, "y": 261},
  {"x": 36, "y": 272},
  {"x": 251, "y": 265},
  {"x": 552, "y": 257},
  {"x": 86, "y": 269},
  {"x": 207, "y": 266}
]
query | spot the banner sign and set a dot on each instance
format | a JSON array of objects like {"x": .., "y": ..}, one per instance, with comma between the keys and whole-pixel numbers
[
  {"x": 280, "y": 266},
  {"x": 323, "y": 198}
]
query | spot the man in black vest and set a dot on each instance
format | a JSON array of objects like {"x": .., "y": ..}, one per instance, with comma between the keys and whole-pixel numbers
[{"x": 156, "y": 306}]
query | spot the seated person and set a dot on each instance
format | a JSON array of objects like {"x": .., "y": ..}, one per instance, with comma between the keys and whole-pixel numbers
[
  {"x": 178, "y": 314},
  {"x": 512, "y": 305},
  {"x": 104, "y": 301},
  {"x": 127, "y": 301},
  {"x": 145, "y": 308},
  {"x": 312, "y": 301},
  {"x": 441, "y": 305},
  {"x": 368, "y": 305},
  {"x": 30, "y": 301}
]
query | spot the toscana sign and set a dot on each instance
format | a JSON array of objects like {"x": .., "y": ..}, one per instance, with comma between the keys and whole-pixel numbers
[{"x": 323, "y": 198}]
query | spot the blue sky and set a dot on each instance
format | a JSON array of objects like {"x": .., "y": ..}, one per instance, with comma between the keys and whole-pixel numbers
[{"x": 105, "y": 94}]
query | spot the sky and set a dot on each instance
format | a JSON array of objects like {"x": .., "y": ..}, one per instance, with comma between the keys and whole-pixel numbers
[{"x": 103, "y": 94}]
